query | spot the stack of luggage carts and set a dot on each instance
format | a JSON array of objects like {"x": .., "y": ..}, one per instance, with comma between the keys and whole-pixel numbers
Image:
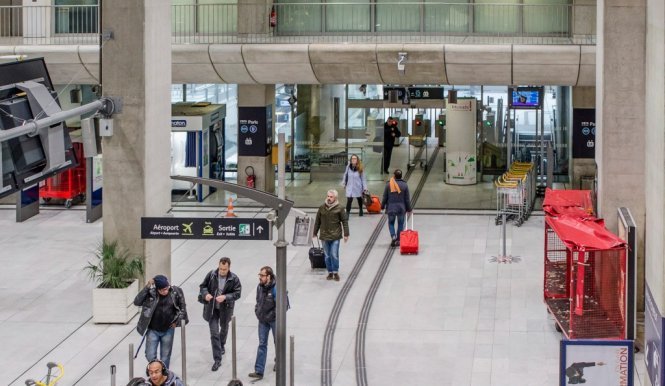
[{"x": 515, "y": 193}]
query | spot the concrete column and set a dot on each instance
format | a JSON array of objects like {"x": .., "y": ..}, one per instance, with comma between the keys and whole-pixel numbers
[
  {"x": 253, "y": 17},
  {"x": 655, "y": 150},
  {"x": 257, "y": 96},
  {"x": 620, "y": 119},
  {"x": 137, "y": 68},
  {"x": 620, "y": 97},
  {"x": 583, "y": 98}
]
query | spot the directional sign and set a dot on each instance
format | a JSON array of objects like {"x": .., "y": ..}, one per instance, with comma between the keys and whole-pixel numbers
[{"x": 197, "y": 228}]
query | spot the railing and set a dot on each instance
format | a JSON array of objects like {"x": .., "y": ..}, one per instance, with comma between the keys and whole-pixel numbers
[
  {"x": 57, "y": 24},
  {"x": 363, "y": 21}
]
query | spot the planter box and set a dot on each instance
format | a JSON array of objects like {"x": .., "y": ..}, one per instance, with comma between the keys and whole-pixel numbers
[{"x": 114, "y": 305}]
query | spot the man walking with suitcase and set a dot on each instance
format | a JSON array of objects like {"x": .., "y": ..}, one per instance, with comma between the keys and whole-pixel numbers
[
  {"x": 331, "y": 225},
  {"x": 218, "y": 292},
  {"x": 396, "y": 202}
]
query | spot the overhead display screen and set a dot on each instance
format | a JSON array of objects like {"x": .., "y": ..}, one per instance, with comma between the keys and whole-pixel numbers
[{"x": 526, "y": 97}]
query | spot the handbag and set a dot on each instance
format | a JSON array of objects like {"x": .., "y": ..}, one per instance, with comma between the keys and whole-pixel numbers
[{"x": 367, "y": 198}]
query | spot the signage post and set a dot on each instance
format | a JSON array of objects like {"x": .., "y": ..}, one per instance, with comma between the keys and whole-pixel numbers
[{"x": 239, "y": 228}]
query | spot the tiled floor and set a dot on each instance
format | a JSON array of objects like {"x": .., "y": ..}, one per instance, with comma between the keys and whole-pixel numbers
[{"x": 447, "y": 316}]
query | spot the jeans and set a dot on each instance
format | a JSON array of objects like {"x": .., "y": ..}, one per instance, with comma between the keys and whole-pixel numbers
[
  {"x": 219, "y": 328},
  {"x": 391, "y": 225},
  {"x": 165, "y": 342},
  {"x": 262, "y": 351},
  {"x": 331, "y": 251}
]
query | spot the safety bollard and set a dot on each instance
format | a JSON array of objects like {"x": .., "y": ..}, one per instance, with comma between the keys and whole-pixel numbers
[
  {"x": 112, "y": 375},
  {"x": 234, "y": 375},
  {"x": 291, "y": 360},
  {"x": 131, "y": 361},
  {"x": 183, "y": 345}
]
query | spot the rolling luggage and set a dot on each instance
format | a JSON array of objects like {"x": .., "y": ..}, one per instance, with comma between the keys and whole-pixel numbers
[
  {"x": 408, "y": 239},
  {"x": 375, "y": 206},
  {"x": 317, "y": 258}
]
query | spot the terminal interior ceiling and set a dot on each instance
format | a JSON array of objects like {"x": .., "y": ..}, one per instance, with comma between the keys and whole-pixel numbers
[{"x": 332, "y": 122}]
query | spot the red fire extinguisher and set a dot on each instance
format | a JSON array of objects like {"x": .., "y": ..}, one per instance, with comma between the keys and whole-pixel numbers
[
  {"x": 273, "y": 17},
  {"x": 251, "y": 177}
]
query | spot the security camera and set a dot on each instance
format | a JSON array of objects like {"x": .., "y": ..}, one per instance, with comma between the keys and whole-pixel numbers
[{"x": 401, "y": 62}]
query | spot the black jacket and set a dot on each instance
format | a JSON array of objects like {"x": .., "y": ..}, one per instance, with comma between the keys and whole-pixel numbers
[
  {"x": 148, "y": 298},
  {"x": 395, "y": 203},
  {"x": 232, "y": 289},
  {"x": 388, "y": 131},
  {"x": 266, "y": 304}
]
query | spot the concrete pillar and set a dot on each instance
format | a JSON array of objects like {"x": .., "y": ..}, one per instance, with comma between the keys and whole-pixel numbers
[
  {"x": 583, "y": 98},
  {"x": 137, "y": 68},
  {"x": 655, "y": 150},
  {"x": 253, "y": 17},
  {"x": 620, "y": 119},
  {"x": 257, "y": 96},
  {"x": 620, "y": 97}
]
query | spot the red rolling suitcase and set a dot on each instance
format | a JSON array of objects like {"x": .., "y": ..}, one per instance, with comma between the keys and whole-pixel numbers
[
  {"x": 408, "y": 239},
  {"x": 375, "y": 206}
]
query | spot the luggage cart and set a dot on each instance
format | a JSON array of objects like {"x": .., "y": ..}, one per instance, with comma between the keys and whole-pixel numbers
[
  {"x": 417, "y": 141},
  {"x": 68, "y": 185},
  {"x": 515, "y": 193}
]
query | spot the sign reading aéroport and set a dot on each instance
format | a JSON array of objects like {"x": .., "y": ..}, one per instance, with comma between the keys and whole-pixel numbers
[{"x": 205, "y": 228}]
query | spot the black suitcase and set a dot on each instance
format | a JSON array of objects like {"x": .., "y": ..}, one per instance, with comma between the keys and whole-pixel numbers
[{"x": 316, "y": 257}]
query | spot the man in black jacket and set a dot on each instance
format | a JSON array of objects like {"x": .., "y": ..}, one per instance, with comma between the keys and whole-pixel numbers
[
  {"x": 390, "y": 132},
  {"x": 218, "y": 292},
  {"x": 163, "y": 308},
  {"x": 265, "y": 311}
]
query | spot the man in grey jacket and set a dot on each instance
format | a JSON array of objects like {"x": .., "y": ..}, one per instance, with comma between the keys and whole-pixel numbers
[
  {"x": 163, "y": 308},
  {"x": 218, "y": 292}
]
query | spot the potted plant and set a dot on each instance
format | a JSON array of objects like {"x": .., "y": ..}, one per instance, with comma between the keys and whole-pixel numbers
[{"x": 116, "y": 272}]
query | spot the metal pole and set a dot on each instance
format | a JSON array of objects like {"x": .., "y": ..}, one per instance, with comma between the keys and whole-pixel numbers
[
  {"x": 32, "y": 127},
  {"x": 112, "y": 375},
  {"x": 503, "y": 234},
  {"x": 291, "y": 362},
  {"x": 542, "y": 142},
  {"x": 293, "y": 140},
  {"x": 509, "y": 142},
  {"x": 183, "y": 345},
  {"x": 234, "y": 375},
  {"x": 131, "y": 360},
  {"x": 281, "y": 273}
]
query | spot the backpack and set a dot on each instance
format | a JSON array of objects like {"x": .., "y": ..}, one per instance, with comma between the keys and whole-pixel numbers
[{"x": 274, "y": 295}]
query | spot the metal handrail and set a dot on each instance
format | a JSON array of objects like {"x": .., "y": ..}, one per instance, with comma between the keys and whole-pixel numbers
[{"x": 317, "y": 22}]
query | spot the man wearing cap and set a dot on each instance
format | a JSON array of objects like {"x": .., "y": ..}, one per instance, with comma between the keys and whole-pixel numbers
[{"x": 163, "y": 309}]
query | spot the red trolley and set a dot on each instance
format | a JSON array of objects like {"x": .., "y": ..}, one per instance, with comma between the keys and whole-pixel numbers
[
  {"x": 585, "y": 278},
  {"x": 68, "y": 185}
]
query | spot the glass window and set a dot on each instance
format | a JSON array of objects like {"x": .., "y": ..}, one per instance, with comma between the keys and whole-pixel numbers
[
  {"x": 75, "y": 16},
  {"x": 298, "y": 16},
  {"x": 346, "y": 17},
  {"x": 447, "y": 16},
  {"x": 397, "y": 17},
  {"x": 496, "y": 16}
]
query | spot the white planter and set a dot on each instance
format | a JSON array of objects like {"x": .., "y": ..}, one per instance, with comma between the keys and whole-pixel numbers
[{"x": 114, "y": 305}]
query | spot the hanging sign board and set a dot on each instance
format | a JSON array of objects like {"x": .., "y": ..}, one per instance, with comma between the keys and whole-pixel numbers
[{"x": 197, "y": 228}]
